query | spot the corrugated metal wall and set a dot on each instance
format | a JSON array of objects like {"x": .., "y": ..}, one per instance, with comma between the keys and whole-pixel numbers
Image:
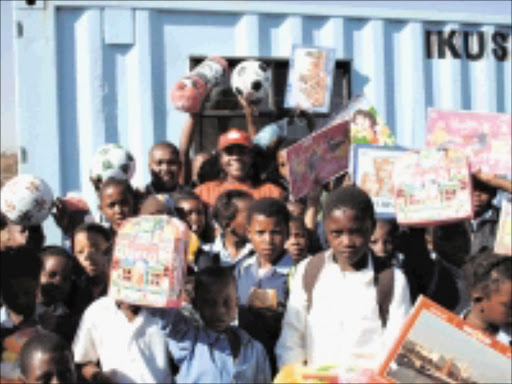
[{"x": 89, "y": 73}]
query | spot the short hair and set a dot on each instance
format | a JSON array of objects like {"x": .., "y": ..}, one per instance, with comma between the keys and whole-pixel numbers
[
  {"x": 208, "y": 276},
  {"x": 273, "y": 208},
  {"x": 210, "y": 169},
  {"x": 297, "y": 220},
  {"x": 164, "y": 144},
  {"x": 124, "y": 184},
  {"x": 91, "y": 228},
  {"x": 152, "y": 205},
  {"x": 350, "y": 197},
  {"x": 184, "y": 195},
  {"x": 225, "y": 208},
  {"x": 480, "y": 186},
  {"x": 486, "y": 270},
  {"x": 45, "y": 342},
  {"x": 4, "y": 221},
  {"x": 18, "y": 262},
  {"x": 55, "y": 250}
]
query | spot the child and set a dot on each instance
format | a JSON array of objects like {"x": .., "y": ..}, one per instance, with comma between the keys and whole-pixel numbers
[
  {"x": 54, "y": 289},
  {"x": 117, "y": 201},
  {"x": 489, "y": 278},
  {"x": 20, "y": 278},
  {"x": 382, "y": 241},
  {"x": 190, "y": 208},
  {"x": 125, "y": 341},
  {"x": 297, "y": 243},
  {"x": 216, "y": 352},
  {"x": 165, "y": 168},
  {"x": 160, "y": 204},
  {"x": 266, "y": 272},
  {"x": 47, "y": 358},
  {"x": 91, "y": 245},
  {"x": 230, "y": 213},
  {"x": 343, "y": 308}
]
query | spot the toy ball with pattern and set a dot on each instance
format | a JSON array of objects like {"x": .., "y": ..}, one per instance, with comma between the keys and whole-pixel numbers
[
  {"x": 112, "y": 161},
  {"x": 26, "y": 200},
  {"x": 188, "y": 93},
  {"x": 251, "y": 80}
]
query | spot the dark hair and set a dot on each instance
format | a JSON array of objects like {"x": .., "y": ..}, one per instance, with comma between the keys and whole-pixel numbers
[
  {"x": 46, "y": 342},
  {"x": 210, "y": 169},
  {"x": 350, "y": 197},
  {"x": 54, "y": 250},
  {"x": 225, "y": 208},
  {"x": 184, "y": 195},
  {"x": 20, "y": 262},
  {"x": 297, "y": 220},
  {"x": 480, "y": 186},
  {"x": 486, "y": 270},
  {"x": 36, "y": 237},
  {"x": 452, "y": 242},
  {"x": 270, "y": 208},
  {"x": 206, "y": 277},
  {"x": 152, "y": 205},
  {"x": 4, "y": 221},
  {"x": 394, "y": 227},
  {"x": 208, "y": 233},
  {"x": 91, "y": 228},
  {"x": 165, "y": 144},
  {"x": 124, "y": 184}
]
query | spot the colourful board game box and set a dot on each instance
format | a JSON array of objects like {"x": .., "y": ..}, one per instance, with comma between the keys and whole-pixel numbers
[
  {"x": 371, "y": 167},
  {"x": 432, "y": 186},
  {"x": 324, "y": 153},
  {"x": 485, "y": 137},
  {"x": 310, "y": 78},
  {"x": 503, "y": 244},
  {"x": 149, "y": 261},
  {"x": 437, "y": 346}
]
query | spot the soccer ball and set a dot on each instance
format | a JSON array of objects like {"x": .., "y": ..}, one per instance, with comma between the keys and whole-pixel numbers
[
  {"x": 26, "y": 200},
  {"x": 251, "y": 80},
  {"x": 112, "y": 161}
]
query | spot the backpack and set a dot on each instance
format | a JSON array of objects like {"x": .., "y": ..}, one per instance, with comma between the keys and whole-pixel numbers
[{"x": 383, "y": 280}]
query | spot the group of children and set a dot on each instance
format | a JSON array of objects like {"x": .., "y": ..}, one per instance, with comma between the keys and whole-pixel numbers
[{"x": 273, "y": 281}]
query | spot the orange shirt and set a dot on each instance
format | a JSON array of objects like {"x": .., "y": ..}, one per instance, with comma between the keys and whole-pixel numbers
[{"x": 208, "y": 192}]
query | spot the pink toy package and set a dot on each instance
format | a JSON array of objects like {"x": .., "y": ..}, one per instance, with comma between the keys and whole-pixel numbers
[{"x": 485, "y": 137}]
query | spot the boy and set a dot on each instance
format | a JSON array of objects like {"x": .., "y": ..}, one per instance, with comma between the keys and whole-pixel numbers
[
  {"x": 117, "y": 202},
  {"x": 47, "y": 358},
  {"x": 216, "y": 352},
  {"x": 342, "y": 309},
  {"x": 125, "y": 341},
  {"x": 230, "y": 212},
  {"x": 264, "y": 275},
  {"x": 190, "y": 209},
  {"x": 489, "y": 278},
  {"x": 20, "y": 279}
]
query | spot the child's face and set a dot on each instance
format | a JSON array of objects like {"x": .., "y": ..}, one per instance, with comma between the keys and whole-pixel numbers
[
  {"x": 348, "y": 234},
  {"x": 295, "y": 208},
  {"x": 55, "y": 279},
  {"x": 165, "y": 167},
  {"x": 236, "y": 160},
  {"x": 382, "y": 239},
  {"x": 267, "y": 235},
  {"x": 238, "y": 226},
  {"x": 297, "y": 243},
  {"x": 192, "y": 211},
  {"x": 282, "y": 165},
  {"x": 19, "y": 295},
  {"x": 89, "y": 248},
  {"x": 117, "y": 205},
  {"x": 497, "y": 308},
  {"x": 17, "y": 235},
  {"x": 481, "y": 202},
  {"x": 47, "y": 367},
  {"x": 217, "y": 305}
]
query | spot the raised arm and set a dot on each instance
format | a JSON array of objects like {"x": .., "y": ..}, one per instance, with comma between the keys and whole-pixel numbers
[
  {"x": 185, "y": 142},
  {"x": 251, "y": 112}
]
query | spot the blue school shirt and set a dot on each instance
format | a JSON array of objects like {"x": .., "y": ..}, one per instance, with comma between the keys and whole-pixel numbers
[
  {"x": 205, "y": 356},
  {"x": 248, "y": 276},
  {"x": 219, "y": 246}
]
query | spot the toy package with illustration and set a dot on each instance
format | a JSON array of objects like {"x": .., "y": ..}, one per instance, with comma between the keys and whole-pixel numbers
[
  {"x": 485, "y": 137},
  {"x": 432, "y": 186},
  {"x": 310, "y": 78},
  {"x": 149, "y": 261},
  {"x": 324, "y": 153},
  {"x": 503, "y": 244},
  {"x": 371, "y": 167}
]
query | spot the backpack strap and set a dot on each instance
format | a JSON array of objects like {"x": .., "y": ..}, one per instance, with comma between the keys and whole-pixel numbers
[
  {"x": 313, "y": 268},
  {"x": 384, "y": 284}
]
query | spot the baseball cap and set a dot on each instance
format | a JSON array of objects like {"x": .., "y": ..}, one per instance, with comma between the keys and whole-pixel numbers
[{"x": 234, "y": 136}]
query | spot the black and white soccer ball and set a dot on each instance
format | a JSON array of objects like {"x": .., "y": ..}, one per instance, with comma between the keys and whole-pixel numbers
[
  {"x": 251, "y": 79},
  {"x": 112, "y": 161}
]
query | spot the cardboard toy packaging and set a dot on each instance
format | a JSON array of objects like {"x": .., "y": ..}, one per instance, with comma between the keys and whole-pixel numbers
[{"x": 503, "y": 244}]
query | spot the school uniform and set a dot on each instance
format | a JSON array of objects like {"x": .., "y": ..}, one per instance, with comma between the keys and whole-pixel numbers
[
  {"x": 205, "y": 356},
  {"x": 483, "y": 230},
  {"x": 343, "y": 326},
  {"x": 129, "y": 352},
  {"x": 225, "y": 260},
  {"x": 249, "y": 275}
]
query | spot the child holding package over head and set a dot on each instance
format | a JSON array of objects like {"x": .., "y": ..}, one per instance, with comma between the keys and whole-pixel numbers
[
  {"x": 489, "y": 279},
  {"x": 344, "y": 307},
  {"x": 215, "y": 351}
]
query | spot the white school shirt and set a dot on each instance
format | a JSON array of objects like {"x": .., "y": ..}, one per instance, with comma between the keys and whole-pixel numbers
[
  {"x": 343, "y": 326},
  {"x": 129, "y": 352}
]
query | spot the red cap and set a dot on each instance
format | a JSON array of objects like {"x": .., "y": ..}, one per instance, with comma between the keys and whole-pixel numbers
[{"x": 234, "y": 136}]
